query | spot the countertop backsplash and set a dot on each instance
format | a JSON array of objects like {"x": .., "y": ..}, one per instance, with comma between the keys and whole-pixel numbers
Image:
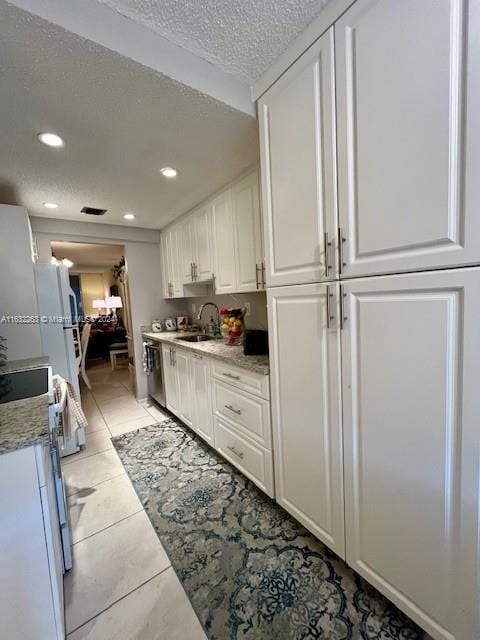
[{"x": 257, "y": 299}]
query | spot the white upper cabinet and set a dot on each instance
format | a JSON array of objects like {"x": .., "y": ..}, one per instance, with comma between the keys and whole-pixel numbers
[
  {"x": 166, "y": 264},
  {"x": 408, "y": 100},
  {"x": 248, "y": 234},
  {"x": 224, "y": 243},
  {"x": 297, "y": 146},
  {"x": 410, "y": 371},
  {"x": 187, "y": 232},
  {"x": 202, "y": 233},
  {"x": 171, "y": 247},
  {"x": 306, "y": 417},
  {"x": 222, "y": 239},
  {"x": 196, "y": 246}
]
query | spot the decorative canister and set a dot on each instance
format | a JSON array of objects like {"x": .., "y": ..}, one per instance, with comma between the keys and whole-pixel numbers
[{"x": 170, "y": 324}]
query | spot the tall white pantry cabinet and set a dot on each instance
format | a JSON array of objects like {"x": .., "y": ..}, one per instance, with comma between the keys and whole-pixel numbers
[{"x": 370, "y": 159}]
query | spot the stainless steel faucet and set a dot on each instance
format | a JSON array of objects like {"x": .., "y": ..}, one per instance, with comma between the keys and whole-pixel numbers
[{"x": 211, "y": 304}]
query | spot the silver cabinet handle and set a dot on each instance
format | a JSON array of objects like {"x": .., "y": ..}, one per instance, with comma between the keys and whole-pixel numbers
[
  {"x": 171, "y": 357},
  {"x": 191, "y": 271},
  {"x": 239, "y": 454},
  {"x": 264, "y": 284},
  {"x": 341, "y": 241},
  {"x": 230, "y": 375},
  {"x": 343, "y": 317},
  {"x": 195, "y": 271},
  {"x": 328, "y": 306},
  {"x": 230, "y": 408},
  {"x": 257, "y": 271},
  {"x": 174, "y": 351},
  {"x": 326, "y": 249}
]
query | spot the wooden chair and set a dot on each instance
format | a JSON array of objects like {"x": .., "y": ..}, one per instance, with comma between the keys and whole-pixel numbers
[{"x": 116, "y": 349}]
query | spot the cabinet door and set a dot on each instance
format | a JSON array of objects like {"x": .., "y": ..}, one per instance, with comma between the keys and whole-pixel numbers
[
  {"x": 182, "y": 363},
  {"x": 187, "y": 231},
  {"x": 166, "y": 264},
  {"x": 304, "y": 388},
  {"x": 248, "y": 236},
  {"x": 407, "y": 160},
  {"x": 224, "y": 243},
  {"x": 26, "y": 606},
  {"x": 410, "y": 368},
  {"x": 297, "y": 147},
  {"x": 176, "y": 261},
  {"x": 203, "y": 420},
  {"x": 171, "y": 379},
  {"x": 203, "y": 245}
]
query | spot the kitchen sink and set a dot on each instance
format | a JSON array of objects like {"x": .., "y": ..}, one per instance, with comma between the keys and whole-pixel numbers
[{"x": 200, "y": 338}]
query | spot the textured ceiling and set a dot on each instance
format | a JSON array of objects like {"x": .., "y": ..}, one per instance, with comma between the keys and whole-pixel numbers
[
  {"x": 121, "y": 122},
  {"x": 101, "y": 256},
  {"x": 242, "y": 37}
]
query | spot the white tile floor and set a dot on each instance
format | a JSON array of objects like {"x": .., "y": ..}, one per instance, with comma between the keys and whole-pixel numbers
[{"x": 122, "y": 586}]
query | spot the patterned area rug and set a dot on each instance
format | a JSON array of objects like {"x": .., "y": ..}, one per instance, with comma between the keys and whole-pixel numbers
[{"x": 250, "y": 570}]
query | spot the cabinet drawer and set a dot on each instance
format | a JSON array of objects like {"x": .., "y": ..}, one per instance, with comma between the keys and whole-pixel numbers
[
  {"x": 248, "y": 413},
  {"x": 252, "y": 460},
  {"x": 241, "y": 378}
]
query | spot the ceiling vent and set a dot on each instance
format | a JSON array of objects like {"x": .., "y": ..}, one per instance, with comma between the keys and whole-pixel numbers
[{"x": 92, "y": 211}]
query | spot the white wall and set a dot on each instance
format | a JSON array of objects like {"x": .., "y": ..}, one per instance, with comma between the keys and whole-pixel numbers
[
  {"x": 17, "y": 284},
  {"x": 142, "y": 255}
]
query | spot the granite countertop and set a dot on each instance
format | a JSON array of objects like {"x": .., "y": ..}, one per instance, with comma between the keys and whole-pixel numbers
[
  {"x": 24, "y": 423},
  {"x": 215, "y": 349},
  {"x": 25, "y": 364}
]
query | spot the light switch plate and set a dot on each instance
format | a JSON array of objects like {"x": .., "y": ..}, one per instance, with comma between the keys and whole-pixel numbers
[{"x": 248, "y": 307}]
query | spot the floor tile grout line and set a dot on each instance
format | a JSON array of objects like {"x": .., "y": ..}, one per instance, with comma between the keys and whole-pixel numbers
[
  {"x": 91, "y": 535},
  {"x": 118, "y": 475},
  {"x": 119, "y": 600},
  {"x": 90, "y": 455}
]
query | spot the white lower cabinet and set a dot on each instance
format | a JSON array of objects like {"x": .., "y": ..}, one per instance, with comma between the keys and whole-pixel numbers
[
  {"x": 182, "y": 363},
  {"x": 187, "y": 389},
  {"x": 171, "y": 379},
  {"x": 404, "y": 446},
  {"x": 233, "y": 421},
  {"x": 411, "y": 368},
  {"x": 31, "y": 557},
  {"x": 253, "y": 461},
  {"x": 203, "y": 423},
  {"x": 307, "y": 433}
]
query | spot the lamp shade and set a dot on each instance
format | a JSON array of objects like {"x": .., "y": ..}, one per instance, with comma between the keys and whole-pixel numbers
[
  {"x": 98, "y": 304},
  {"x": 113, "y": 302}
]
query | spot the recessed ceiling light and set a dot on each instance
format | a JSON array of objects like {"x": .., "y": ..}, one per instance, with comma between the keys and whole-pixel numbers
[
  {"x": 68, "y": 263},
  {"x": 169, "y": 172},
  {"x": 50, "y": 205},
  {"x": 50, "y": 139},
  {"x": 129, "y": 216}
]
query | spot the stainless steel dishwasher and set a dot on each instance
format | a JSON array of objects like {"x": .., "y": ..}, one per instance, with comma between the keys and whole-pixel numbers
[{"x": 154, "y": 369}]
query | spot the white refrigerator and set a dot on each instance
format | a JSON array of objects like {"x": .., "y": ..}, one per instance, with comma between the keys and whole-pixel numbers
[{"x": 60, "y": 333}]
